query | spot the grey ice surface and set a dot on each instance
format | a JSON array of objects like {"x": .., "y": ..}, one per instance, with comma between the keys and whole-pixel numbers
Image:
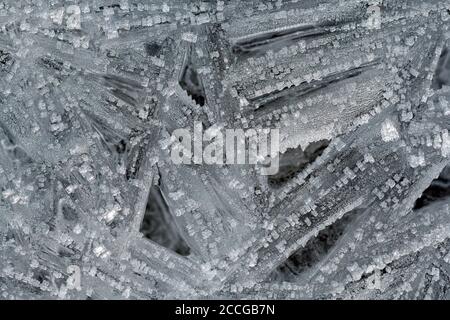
[{"x": 92, "y": 207}]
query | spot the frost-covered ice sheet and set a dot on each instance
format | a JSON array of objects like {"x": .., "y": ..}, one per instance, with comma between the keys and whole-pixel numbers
[{"x": 92, "y": 205}]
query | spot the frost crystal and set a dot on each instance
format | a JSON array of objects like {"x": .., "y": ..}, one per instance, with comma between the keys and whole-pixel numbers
[{"x": 92, "y": 204}]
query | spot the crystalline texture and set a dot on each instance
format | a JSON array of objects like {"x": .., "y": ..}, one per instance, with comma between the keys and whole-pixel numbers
[{"x": 92, "y": 205}]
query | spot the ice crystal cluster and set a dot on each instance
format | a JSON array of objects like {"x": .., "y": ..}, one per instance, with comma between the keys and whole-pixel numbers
[{"x": 92, "y": 207}]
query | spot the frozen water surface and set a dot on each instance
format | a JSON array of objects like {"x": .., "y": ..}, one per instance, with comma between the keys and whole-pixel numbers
[{"x": 92, "y": 205}]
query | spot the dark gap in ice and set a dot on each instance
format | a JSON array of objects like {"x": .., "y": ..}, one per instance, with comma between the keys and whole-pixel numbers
[
  {"x": 135, "y": 158},
  {"x": 113, "y": 142},
  {"x": 112, "y": 6},
  {"x": 41, "y": 275},
  {"x": 5, "y": 59},
  {"x": 295, "y": 160},
  {"x": 152, "y": 49},
  {"x": 16, "y": 152},
  {"x": 272, "y": 101},
  {"x": 314, "y": 250},
  {"x": 438, "y": 190},
  {"x": 280, "y": 38},
  {"x": 50, "y": 63},
  {"x": 159, "y": 226},
  {"x": 65, "y": 253},
  {"x": 274, "y": 40},
  {"x": 69, "y": 213},
  {"x": 19, "y": 154},
  {"x": 191, "y": 83},
  {"x": 442, "y": 74}
]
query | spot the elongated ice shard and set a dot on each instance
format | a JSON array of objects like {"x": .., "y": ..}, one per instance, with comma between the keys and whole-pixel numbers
[{"x": 224, "y": 149}]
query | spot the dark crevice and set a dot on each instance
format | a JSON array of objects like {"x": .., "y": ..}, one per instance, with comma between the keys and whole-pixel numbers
[
  {"x": 152, "y": 49},
  {"x": 295, "y": 160},
  {"x": 51, "y": 63},
  {"x": 270, "y": 39},
  {"x": 254, "y": 45},
  {"x": 269, "y": 102},
  {"x": 159, "y": 226},
  {"x": 191, "y": 83},
  {"x": 4, "y": 57},
  {"x": 69, "y": 213},
  {"x": 438, "y": 190},
  {"x": 135, "y": 159},
  {"x": 314, "y": 251},
  {"x": 112, "y": 141},
  {"x": 442, "y": 74},
  {"x": 190, "y": 80},
  {"x": 112, "y": 6}
]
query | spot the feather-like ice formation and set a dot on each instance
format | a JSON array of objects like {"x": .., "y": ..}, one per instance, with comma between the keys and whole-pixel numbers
[{"x": 93, "y": 206}]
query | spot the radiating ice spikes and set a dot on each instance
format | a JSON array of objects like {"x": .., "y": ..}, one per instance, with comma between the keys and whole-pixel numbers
[{"x": 92, "y": 204}]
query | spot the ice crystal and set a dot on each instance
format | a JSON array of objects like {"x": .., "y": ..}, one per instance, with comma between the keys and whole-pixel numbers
[{"x": 92, "y": 206}]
